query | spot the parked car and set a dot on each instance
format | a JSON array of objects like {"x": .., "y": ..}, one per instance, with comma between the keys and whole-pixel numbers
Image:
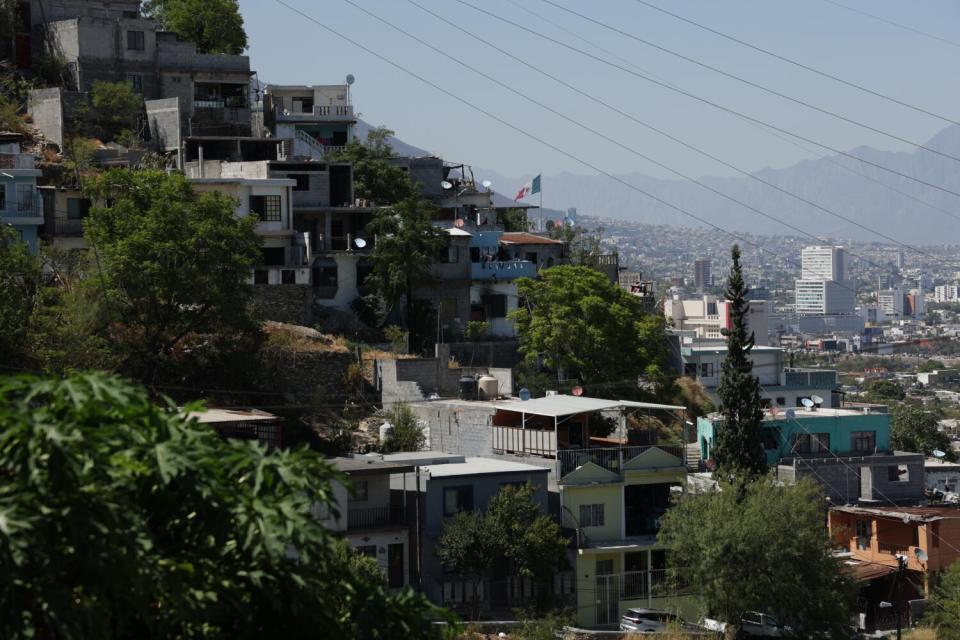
[
  {"x": 753, "y": 624},
  {"x": 648, "y": 621}
]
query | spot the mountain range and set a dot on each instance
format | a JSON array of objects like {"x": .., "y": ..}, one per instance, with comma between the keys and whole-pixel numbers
[{"x": 846, "y": 187}]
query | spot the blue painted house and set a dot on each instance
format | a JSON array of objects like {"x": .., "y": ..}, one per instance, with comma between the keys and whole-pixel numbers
[{"x": 20, "y": 205}]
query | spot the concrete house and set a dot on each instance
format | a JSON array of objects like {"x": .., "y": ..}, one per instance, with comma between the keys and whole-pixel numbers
[
  {"x": 372, "y": 517},
  {"x": 614, "y": 503},
  {"x": 319, "y": 119},
  {"x": 845, "y": 451},
  {"x": 20, "y": 203}
]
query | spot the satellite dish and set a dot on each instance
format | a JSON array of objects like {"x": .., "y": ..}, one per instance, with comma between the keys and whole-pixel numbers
[
  {"x": 921, "y": 554},
  {"x": 577, "y": 391},
  {"x": 447, "y": 185},
  {"x": 807, "y": 402},
  {"x": 360, "y": 242},
  {"x": 350, "y": 78},
  {"x": 524, "y": 394},
  {"x": 791, "y": 414},
  {"x": 486, "y": 184},
  {"x": 817, "y": 399},
  {"x": 939, "y": 454},
  {"x": 569, "y": 222},
  {"x": 459, "y": 223}
]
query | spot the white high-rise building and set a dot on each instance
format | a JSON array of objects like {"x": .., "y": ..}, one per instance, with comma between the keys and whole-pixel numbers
[
  {"x": 824, "y": 263},
  {"x": 947, "y": 293},
  {"x": 824, "y": 297},
  {"x": 891, "y": 301}
]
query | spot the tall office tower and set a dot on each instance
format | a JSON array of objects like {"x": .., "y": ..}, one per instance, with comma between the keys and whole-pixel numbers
[
  {"x": 824, "y": 263},
  {"x": 701, "y": 274}
]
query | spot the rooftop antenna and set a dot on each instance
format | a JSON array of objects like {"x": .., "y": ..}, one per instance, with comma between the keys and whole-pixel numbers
[{"x": 350, "y": 81}]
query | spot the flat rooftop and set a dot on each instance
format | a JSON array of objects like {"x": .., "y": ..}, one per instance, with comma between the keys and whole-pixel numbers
[
  {"x": 367, "y": 466},
  {"x": 482, "y": 466},
  {"x": 801, "y": 413},
  {"x": 552, "y": 406},
  {"x": 213, "y": 416},
  {"x": 905, "y": 514}
]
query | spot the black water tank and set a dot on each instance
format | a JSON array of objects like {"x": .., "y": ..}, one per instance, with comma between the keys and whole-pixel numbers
[{"x": 468, "y": 388}]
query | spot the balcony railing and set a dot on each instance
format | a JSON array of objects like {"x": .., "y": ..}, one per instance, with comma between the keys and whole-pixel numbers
[
  {"x": 324, "y": 112},
  {"x": 610, "y": 458},
  {"x": 16, "y": 161},
  {"x": 894, "y": 548},
  {"x": 636, "y": 585},
  {"x": 502, "y": 270},
  {"x": 63, "y": 228},
  {"x": 373, "y": 518}
]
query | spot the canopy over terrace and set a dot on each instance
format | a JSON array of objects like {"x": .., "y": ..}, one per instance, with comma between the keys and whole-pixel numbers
[{"x": 558, "y": 427}]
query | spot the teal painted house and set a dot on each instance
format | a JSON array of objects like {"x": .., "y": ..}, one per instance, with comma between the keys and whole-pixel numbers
[
  {"x": 19, "y": 199},
  {"x": 823, "y": 433}
]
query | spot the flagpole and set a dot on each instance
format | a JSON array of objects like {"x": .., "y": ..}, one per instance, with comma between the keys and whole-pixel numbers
[{"x": 540, "y": 175}]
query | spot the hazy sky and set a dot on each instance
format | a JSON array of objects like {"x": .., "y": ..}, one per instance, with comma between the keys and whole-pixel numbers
[{"x": 287, "y": 49}]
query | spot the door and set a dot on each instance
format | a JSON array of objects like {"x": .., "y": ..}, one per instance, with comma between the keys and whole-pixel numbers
[
  {"x": 395, "y": 565},
  {"x": 608, "y": 599}
]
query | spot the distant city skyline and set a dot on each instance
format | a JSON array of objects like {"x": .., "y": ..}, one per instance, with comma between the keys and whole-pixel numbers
[{"x": 880, "y": 56}]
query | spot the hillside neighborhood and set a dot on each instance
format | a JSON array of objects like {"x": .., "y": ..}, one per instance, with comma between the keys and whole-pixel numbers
[{"x": 267, "y": 371}]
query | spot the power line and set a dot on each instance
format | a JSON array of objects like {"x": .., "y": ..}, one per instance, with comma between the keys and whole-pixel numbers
[
  {"x": 759, "y": 127},
  {"x": 802, "y": 65},
  {"x": 750, "y": 83},
  {"x": 634, "y": 119},
  {"x": 706, "y": 101},
  {"x": 895, "y": 24}
]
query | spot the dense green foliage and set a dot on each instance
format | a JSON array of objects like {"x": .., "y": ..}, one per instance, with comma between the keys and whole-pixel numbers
[
  {"x": 885, "y": 392},
  {"x": 943, "y": 610},
  {"x": 407, "y": 435},
  {"x": 738, "y": 448},
  {"x": 216, "y": 26},
  {"x": 374, "y": 178},
  {"x": 120, "y": 518},
  {"x": 172, "y": 263},
  {"x": 19, "y": 287},
  {"x": 513, "y": 528},
  {"x": 760, "y": 547},
  {"x": 914, "y": 429},
  {"x": 586, "y": 327},
  {"x": 117, "y": 105}
]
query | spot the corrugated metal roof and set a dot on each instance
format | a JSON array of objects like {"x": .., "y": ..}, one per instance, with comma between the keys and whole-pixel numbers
[
  {"x": 864, "y": 572},
  {"x": 521, "y": 237},
  {"x": 564, "y": 405}
]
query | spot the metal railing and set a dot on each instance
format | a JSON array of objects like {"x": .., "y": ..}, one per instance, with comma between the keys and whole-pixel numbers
[
  {"x": 372, "y": 518},
  {"x": 63, "y": 228},
  {"x": 610, "y": 458},
  {"x": 636, "y": 585},
  {"x": 16, "y": 161}
]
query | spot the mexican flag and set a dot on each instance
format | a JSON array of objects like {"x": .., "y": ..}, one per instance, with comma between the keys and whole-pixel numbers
[{"x": 528, "y": 189}]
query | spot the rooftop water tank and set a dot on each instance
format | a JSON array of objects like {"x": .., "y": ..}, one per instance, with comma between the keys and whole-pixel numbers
[{"x": 489, "y": 387}]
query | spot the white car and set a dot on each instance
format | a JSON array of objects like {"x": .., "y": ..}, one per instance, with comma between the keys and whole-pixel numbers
[
  {"x": 647, "y": 621},
  {"x": 753, "y": 624}
]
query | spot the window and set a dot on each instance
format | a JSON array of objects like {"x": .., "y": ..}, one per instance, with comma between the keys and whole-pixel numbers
[
  {"x": 781, "y": 401},
  {"x": 135, "y": 41},
  {"x": 450, "y": 255},
  {"x": 303, "y": 182},
  {"x": 863, "y": 441},
  {"x": 899, "y": 473},
  {"x": 267, "y": 207},
  {"x": 288, "y": 276},
  {"x": 25, "y": 198},
  {"x": 261, "y": 276},
  {"x": 3, "y": 197},
  {"x": 369, "y": 550},
  {"x": 811, "y": 443},
  {"x": 136, "y": 82},
  {"x": 706, "y": 369},
  {"x": 361, "y": 490},
  {"x": 690, "y": 369},
  {"x": 456, "y": 499},
  {"x": 604, "y": 567},
  {"x": 496, "y": 306},
  {"x": 863, "y": 528},
  {"x": 77, "y": 208},
  {"x": 771, "y": 438},
  {"x": 531, "y": 256},
  {"x": 591, "y": 515}
]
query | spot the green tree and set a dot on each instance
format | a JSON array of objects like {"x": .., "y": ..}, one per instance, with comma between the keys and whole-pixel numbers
[
  {"x": 117, "y": 105},
  {"x": 466, "y": 547},
  {"x": 216, "y": 26},
  {"x": 20, "y": 280},
  {"x": 121, "y": 518},
  {"x": 914, "y": 429},
  {"x": 584, "y": 326},
  {"x": 943, "y": 610},
  {"x": 407, "y": 435},
  {"x": 172, "y": 263},
  {"x": 514, "y": 220},
  {"x": 407, "y": 245},
  {"x": 374, "y": 178},
  {"x": 738, "y": 447},
  {"x": 930, "y": 365},
  {"x": 759, "y": 546},
  {"x": 885, "y": 392}
]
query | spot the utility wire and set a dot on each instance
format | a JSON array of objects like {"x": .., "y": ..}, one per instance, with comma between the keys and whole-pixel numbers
[
  {"x": 627, "y": 115},
  {"x": 802, "y": 65},
  {"x": 894, "y": 24},
  {"x": 750, "y": 83},
  {"x": 706, "y": 101},
  {"x": 759, "y": 127}
]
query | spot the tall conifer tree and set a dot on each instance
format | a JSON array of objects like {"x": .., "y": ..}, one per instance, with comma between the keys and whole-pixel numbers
[{"x": 738, "y": 447}]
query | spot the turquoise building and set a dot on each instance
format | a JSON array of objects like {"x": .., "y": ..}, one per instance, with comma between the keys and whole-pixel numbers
[
  {"x": 20, "y": 206},
  {"x": 801, "y": 432}
]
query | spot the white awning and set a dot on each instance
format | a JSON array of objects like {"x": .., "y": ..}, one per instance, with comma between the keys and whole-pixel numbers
[{"x": 563, "y": 405}]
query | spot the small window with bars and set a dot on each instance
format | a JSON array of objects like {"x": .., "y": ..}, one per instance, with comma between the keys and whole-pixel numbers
[
  {"x": 267, "y": 208},
  {"x": 591, "y": 515},
  {"x": 135, "y": 41}
]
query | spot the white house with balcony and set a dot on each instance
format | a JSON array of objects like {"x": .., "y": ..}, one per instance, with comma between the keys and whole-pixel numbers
[
  {"x": 707, "y": 316},
  {"x": 20, "y": 205},
  {"x": 319, "y": 119},
  {"x": 271, "y": 199}
]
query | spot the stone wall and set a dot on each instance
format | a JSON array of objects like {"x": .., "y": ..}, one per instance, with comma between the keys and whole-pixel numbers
[
  {"x": 415, "y": 379},
  {"x": 305, "y": 376},
  {"x": 291, "y": 303}
]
